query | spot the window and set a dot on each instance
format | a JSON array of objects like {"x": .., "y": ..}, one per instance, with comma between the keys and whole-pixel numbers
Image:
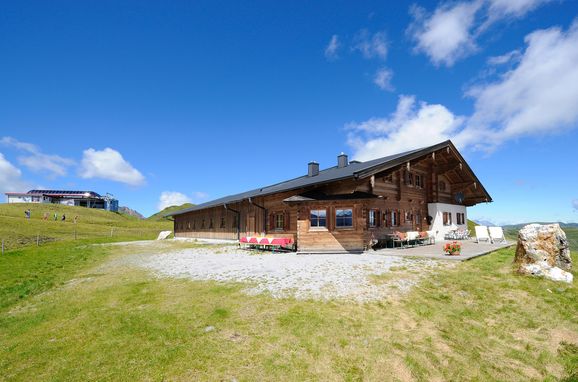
[
  {"x": 203, "y": 224},
  {"x": 211, "y": 223},
  {"x": 418, "y": 181},
  {"x": 442, "y": 185},
  {"x": 279, "y": 221},
  {"x": 447, "y": 218},
  {"x": 460, "y": 218},
  {"x": 388, "y": 178},
  {"x": 394, "y": 218},
  {"x": 408, "y": 178},
  {"x": 372, "y": 218},
  {"x": 344, "y": 218},
  {"x": 189, "y": 225},
  {"x": 318, "y": 218},
  {"x": 222, "y": 222}
]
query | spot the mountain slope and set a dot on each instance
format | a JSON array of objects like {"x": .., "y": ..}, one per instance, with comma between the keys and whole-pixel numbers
[
  {"x": 160, "y": 216},
  {"x": 92, "y": 224}
]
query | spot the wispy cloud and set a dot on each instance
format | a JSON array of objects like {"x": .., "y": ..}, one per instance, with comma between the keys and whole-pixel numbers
[
  {"x": 35, "y": 160},
  {"x": 332, "y": 48},
  {"x": 109, "y": 164},
  {"x": 450, "y": 32},
  {"x": 575, "y": 205},
  {"x": 370, "y": 45},
  {"x": 383, "y": 78}
]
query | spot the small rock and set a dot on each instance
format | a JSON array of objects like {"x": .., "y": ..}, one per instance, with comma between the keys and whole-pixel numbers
[{"x": 209, "y": 329}]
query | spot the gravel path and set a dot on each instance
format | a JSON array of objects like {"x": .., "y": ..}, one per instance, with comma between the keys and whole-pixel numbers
[{"x": 334, "y": 276}]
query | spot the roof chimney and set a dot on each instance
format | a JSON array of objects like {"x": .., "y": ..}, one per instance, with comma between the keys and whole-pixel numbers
[
  {"x": 342, "y": 160},
  {"x": 312, "y": 168}
]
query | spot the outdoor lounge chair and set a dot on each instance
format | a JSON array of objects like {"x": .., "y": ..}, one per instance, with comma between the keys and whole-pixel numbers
[
  {"x": 482, "y": 234},
  {"x": 497, "y": 235}
]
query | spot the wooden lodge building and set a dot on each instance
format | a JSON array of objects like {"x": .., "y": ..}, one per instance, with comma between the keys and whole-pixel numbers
[{"x": 348, "y": 206}]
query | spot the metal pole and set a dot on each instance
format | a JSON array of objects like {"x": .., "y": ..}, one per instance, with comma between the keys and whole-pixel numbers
[
  {"x": 37, "y": 240},
  {"x": 2, "y": 247},
  {"x": 111, "y": 231}
]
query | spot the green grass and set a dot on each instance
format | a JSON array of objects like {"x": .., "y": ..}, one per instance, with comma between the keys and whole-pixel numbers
[
  {"x": 86, "y": 315},
  {"x": 92, "y": 224}
]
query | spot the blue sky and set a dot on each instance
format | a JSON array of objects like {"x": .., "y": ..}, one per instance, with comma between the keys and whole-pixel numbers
[{"x": 163, "y": 102}]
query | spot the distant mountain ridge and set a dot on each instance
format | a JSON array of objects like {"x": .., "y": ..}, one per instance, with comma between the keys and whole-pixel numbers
[
  {"x": 130, "y": 212},
  {"x": 161, "y": 214}
]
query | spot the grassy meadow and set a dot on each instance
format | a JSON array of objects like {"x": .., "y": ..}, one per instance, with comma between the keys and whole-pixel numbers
[
  {"x": 72, "y": 311},
  {"x": 92, "y": 224}
]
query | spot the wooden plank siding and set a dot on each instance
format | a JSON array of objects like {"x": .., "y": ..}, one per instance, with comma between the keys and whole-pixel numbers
[{"x": 389, "y": 193}]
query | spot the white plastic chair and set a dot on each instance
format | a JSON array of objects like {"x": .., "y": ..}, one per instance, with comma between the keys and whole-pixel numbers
[
  {"x": 497, "y": 235},
  {"x": 482, "y": 234}
]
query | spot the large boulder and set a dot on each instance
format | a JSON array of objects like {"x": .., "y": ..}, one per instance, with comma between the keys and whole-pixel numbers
[{"x": 543, "y": 251}]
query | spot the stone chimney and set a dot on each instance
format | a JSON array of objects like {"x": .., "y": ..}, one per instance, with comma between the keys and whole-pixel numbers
[
  {"x": 312, "y": 168},
  {"x": 342, "y": 160}
]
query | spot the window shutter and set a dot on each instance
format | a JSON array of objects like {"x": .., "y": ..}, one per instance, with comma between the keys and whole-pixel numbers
[
  {"x": 286, "y": 223},
  {"x": 271, "y": 222},
  {"x": 387, "y": 218},
  {"x": 378, "y": 218},
  {"x": 366, "y": 212}
]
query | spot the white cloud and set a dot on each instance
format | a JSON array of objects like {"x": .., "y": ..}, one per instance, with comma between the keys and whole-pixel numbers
[
  {"x": 109, "y": 164},
  {"x": 11, "y": 177},
  {"x": 499, "y": 9},
  {"x": 370, "y": 46},
  {"x": 332, "y": 48},
  {"x": 513, "y": 56},
  {"x": 450, "y": 32},
  {"x": 535, "y": 97},
  {"x": 575, "y": 204},
  {"x": 383, "y": 78},
  {"x": 172, "y": 198},
  {"x": 411, "y": 126},
  {"x": 37, "y": 161},
  {"x": 445, "y": 36}
]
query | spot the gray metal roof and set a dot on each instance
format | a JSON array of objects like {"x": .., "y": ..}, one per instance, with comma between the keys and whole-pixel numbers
[{"x": 353, "y": 170}]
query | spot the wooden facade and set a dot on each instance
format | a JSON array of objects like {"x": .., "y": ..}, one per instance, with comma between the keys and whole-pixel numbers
[{"x": 360, "y": 209}]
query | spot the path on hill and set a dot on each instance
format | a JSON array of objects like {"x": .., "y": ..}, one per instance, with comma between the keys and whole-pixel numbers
[{"x": 363, "y": 277}]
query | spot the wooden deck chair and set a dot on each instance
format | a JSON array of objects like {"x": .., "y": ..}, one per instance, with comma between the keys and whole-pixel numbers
[
  {"x": 482, "y": 233},
  {"x": 497, "y": 235}
]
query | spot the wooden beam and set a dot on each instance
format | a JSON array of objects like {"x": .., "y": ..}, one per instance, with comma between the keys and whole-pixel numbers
[{"x": 443, "y": 169}]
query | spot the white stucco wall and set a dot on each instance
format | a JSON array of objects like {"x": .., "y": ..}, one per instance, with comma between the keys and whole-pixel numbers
[
  {"x": 19, "y": 199},
  {"x": 436, "y": 210}
]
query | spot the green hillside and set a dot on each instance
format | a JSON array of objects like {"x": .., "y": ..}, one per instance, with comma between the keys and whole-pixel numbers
[
  {"x": 160, "y": 216},
  {"x": 17, "y": 231}
]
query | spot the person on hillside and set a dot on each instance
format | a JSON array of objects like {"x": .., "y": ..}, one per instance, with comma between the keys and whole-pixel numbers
[
  {"x": 27, "y": 213},
  {"x": 55, "y": 216},
  {"x": 63, "y": 217},
  {"x": 45, "y": 217},
  {"x": 75, "y": 218}
]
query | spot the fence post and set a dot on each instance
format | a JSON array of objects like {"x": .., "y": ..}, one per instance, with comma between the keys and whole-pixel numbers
[
  {"x": 111, "y": 229},
  {"x": 37, "y": 240},
  {"x": 74, "y": 232},
  {"x": 2, "y": 247}
]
